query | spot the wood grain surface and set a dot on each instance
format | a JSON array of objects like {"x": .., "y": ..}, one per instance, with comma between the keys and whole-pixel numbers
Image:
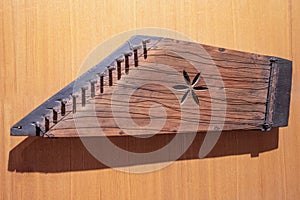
[
  {"x": 245, "y": 81},
  {"x": 44, "y": 43}
]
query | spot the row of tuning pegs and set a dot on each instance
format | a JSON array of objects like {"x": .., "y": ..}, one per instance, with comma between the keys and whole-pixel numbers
[{"x": 63, "y": 103}]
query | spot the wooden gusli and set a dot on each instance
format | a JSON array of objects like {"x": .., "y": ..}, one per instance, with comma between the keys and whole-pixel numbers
[{"x": 154, "y": 85}]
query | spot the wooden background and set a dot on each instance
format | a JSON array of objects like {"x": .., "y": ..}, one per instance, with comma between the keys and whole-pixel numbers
[{"x": 42, "y": 45}]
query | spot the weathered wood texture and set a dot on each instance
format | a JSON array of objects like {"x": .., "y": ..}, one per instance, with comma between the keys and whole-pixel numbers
[
  {"x": 42, "y": 39},
  {"x": 247, "y": 102}
]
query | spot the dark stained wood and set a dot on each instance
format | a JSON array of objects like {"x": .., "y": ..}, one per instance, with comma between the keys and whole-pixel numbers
[{"x": 282, "y": 93}]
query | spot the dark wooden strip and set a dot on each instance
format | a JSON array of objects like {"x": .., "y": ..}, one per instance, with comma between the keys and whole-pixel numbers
[{"x": 282, "y": 93}]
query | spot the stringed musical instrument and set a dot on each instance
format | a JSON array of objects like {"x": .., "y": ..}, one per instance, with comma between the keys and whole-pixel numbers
[{"x": 154, "y": 85}]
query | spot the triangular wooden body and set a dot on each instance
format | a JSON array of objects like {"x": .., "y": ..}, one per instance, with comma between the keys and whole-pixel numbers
[{"x": 160, "y": 91}]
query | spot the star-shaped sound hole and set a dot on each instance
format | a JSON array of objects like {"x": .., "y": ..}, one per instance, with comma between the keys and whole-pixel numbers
[{"x": 190, "y": 87}]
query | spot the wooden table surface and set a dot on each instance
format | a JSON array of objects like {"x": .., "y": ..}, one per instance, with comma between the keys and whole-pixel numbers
[{"x": 44, "y": 43}]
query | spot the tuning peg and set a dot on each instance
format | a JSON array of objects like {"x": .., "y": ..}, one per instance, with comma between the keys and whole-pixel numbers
[
  {"x": 127, "y": 55},
  {"x": 54, "y": 117},
  {"x": 144, "y": 42},
  {"x": 110, "y": 76},
  {"x": 54, "y": 114},
  {"x": 93, "y": 82},
  {"x": 37, "y": 128},
  {"x": 74, "y": 96},
  {"x": 47, "y": 123},
  {"x": 63, "y": 107},
  {"x": 119, "y": 69},
  {"x": 101, "y": 75},
  {"x": 135, "y": 54},
  {"x": 83, "y": 96}
]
